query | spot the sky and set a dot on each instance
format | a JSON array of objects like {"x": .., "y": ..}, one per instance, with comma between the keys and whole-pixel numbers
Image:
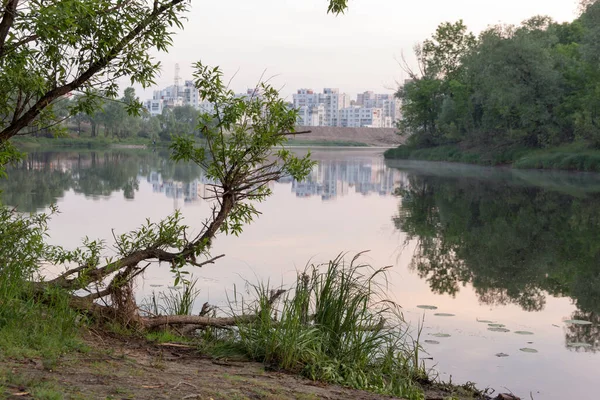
[{"x": 298, "y": 45}]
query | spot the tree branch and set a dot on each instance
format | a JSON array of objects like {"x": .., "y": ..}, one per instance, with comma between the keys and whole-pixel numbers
[
  {"x": 94, "y": 68},
  {"x": 10, "y": 11}
]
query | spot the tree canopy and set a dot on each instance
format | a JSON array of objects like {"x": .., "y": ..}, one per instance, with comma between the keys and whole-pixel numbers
[{"x": 534, "y": 85}]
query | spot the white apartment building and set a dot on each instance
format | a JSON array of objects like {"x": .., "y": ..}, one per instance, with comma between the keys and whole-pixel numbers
[
  {"x": 307, "y": 102},
  {"x": 313, "y": 115},
  {"x": 361, "y": 117},
  {"x": 388, "y": 103}
]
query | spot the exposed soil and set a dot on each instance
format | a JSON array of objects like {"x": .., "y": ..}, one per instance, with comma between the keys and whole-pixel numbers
[
  {"x": 386, "y": 137},
  {"x": 117, "y": 368}
]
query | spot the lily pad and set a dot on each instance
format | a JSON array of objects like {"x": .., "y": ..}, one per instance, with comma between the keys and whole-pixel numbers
[
  {"x": 174, "y": 287},
  {"x": 498, "y": 329},
  {"x": 579, "y": 344},
  {"x": 156, "y": 285},
  {"x": 441, "y": 314},
  {"x": 497, "y": 325},
  {"x": 577, "y": 322},
  {"x": 440, "y": 335},
  {"x": 523, "y": 333},
  {"x": 432, "y": 341},
  {"x": 528, "y": 350},
  {"x": 501, "y": 355},
  {"x": 426, "y": 307},
  {"x": 485, "y": 321}
]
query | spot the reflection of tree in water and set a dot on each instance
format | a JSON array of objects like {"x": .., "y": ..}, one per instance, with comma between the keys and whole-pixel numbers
[
  {"x": 589, "y": 334},
  {"x": 512, "y": 243},
  {"x": 42, "y": 178},
  {"x": 30, "y": 192}
]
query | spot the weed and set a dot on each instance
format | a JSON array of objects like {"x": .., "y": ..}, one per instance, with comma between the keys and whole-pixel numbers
[
  {"x": 31, "y": 323},
  {"x": 336, "y": 326}
]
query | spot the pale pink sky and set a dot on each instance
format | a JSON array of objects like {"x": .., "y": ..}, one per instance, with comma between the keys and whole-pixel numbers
[{"x": 303, "y": 46}]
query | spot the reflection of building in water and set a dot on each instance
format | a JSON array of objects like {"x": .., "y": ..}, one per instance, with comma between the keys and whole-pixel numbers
[
  {"x": 332, "y": 178},
  {"x": 189, "y": 192}
]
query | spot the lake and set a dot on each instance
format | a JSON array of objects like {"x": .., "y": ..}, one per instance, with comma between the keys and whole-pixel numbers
[{"x": 516, "y": 249}]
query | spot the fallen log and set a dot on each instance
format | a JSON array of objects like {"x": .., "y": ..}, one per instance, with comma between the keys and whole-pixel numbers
[{"x": 200, "y": 322}]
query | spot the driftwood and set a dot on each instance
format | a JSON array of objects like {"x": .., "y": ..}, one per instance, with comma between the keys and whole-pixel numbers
[
  {"x": 196, "y": 320},
  {"x": 202, "y": 321}
]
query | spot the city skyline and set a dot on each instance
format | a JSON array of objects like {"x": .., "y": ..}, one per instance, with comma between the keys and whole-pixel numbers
[
  {"x": 330, "y": 107},
  {"x": 300, "y": 45}
]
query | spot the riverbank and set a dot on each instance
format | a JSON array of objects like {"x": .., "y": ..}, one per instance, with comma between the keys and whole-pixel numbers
[
  {"x": 573, "y": 157},
  {"x": 110, "y": 366},
  {"x": 318, "y": 136}
]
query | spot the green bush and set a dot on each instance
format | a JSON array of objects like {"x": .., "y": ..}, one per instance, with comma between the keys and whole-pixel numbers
[
  {"x": 336, "y": 326},
  {"x": 31, "y": 322}
]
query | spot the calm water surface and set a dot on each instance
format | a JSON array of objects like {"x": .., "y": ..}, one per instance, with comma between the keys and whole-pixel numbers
[{"x": 518, "y": 248}]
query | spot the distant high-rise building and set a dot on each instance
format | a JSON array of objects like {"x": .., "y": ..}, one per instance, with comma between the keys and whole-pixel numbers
[{"x": 369, "y": 110}]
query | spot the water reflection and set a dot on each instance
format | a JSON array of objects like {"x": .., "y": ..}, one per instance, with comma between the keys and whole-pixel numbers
[
  {"x": 44, "y": 177},
  {"x": 513, "y": 242},
  {"x": 336, "y": 177}
]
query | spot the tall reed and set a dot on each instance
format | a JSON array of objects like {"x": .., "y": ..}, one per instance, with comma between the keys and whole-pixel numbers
[{"x": 336, "y": 325}]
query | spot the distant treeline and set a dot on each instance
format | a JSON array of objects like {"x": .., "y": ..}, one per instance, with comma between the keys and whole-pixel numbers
[
  {"x": 110, "y": 119},
  {"x": 531, "y": 86}
]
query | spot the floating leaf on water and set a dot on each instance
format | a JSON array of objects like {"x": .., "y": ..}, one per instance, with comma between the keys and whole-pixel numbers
[
  {"x": 426, "y": 307},
  {"x": 577, "y": 322},
  {"x": 442, "y": 314},
  {"x": 156, "y": 285},
  {"x": 432, "y": 342},
  {"x": 174, "y": 287},
  {"x": 523, "y": 333},
  {"x": 498, "y": 329},
  {"x": 528, "y": 350},
  {"x": 485, "y": 321},
  {"x": 579, "y": 344},
  {"x": 440, "y": 335},
  {"x": 556, "y": 326},
  {"x": 501, "y": 355},
  {"x": 529, "y": 342},
  {"x": 497, "y": 325}
]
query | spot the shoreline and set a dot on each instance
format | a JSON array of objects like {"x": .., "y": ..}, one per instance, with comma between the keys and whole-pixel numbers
[
  {"x": 113, "y": 364},
  {"x": 576, "y": 157}
]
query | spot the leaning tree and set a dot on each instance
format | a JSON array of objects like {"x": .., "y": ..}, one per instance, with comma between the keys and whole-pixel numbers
[
  {"x": 49, "y": 49},
  {"x": 243, "y": 152}
]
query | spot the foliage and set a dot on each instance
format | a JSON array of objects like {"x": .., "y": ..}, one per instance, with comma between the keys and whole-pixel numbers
[
  {"x": 535, "y": 85},
  {"x": 335, "y": 326},
  {"x": 244, "y": 154},
  {"x": 177, "y": 301},
  {"x": 244, "y": 148},
  {"x": 29, "y": 327},
  {"x": 48, "y": 50}
]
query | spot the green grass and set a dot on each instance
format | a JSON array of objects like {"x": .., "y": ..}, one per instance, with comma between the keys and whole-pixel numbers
[
  {"x": 11, "y": 383},
  {"x": 32, "y": 324},
  {"x": 75, "y": 143},
  {"x": 335, "y": 326},
  {"x": 333, "y": 143},
  {"x": 576, "y": 156}
]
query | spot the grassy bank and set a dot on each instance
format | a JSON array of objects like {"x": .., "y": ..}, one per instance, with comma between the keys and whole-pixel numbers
[
  {"x": 79, "y": 143},
  {"x": 83, "y": 143},
  {"x": 334, "y": 325},
  {"x": 575, "y": 156},
  {"x": 332, "y": 143}
]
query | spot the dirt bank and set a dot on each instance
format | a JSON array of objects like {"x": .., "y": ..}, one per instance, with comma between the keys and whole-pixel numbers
[
  {"x": 384, "y": 137},
  {"x": 112, "y": 367}
]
